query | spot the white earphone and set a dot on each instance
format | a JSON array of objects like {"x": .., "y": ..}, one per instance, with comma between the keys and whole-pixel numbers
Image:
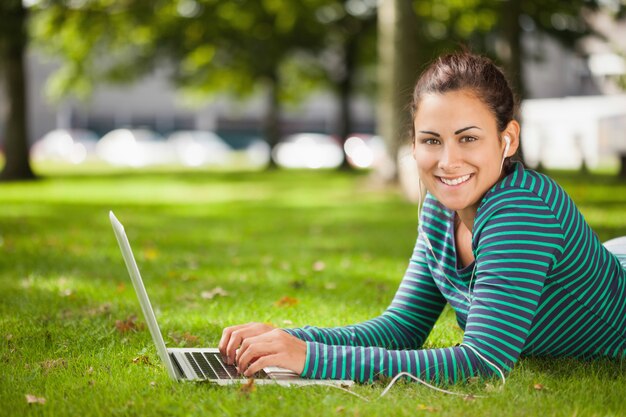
[{"x": 507, "y": 141}]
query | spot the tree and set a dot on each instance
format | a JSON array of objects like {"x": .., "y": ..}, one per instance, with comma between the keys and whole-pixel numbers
[
  {"x": 211, "y": 47},
  {"x": 397, "y": 55},
  {"x": 348, "y": 42},
  {"x": 13, "y": 40}
]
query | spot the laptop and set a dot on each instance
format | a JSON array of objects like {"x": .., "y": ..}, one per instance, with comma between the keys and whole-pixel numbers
[{"x": 198, "y": 364}]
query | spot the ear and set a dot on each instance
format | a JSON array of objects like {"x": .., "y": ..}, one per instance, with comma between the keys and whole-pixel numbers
[{"x": 512, "y": 130}]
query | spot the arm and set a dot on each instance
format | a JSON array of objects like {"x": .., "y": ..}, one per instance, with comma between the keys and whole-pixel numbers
[
  {"x": 515, "y": 249},
  {"x": 406, "y": 322}
]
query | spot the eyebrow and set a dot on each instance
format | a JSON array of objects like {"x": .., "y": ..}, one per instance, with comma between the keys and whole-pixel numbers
[
  {"x": 428, "y": 132},
  {"x": 466, "y": 128}
]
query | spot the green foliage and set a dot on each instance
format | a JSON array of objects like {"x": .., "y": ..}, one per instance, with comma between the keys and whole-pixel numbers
[{"x": 325, "y": 239}]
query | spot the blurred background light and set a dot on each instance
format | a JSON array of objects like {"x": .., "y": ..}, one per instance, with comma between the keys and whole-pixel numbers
[{"x": 308, "y": 150}]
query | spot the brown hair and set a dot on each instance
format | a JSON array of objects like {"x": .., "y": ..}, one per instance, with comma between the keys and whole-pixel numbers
[{"x": 464, "y": 70}]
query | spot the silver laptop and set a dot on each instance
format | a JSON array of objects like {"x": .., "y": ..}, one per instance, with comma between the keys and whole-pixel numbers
[{"x": 198, "y": 364}]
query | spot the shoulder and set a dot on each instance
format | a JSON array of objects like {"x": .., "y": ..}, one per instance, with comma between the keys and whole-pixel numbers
[{"x": 523, "y": 188}]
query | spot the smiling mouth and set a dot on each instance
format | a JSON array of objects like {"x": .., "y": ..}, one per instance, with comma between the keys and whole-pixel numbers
[{"x": 455, "y": 181}]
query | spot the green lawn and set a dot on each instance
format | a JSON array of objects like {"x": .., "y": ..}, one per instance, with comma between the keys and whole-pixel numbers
[{"x": 332, "y": 243}]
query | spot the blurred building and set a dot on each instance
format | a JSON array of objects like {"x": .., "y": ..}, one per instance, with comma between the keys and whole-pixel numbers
[{"x": 152, "y": 102}]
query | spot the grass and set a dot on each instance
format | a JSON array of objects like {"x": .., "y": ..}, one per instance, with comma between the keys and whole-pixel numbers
[{"x": 333, "y": 244}]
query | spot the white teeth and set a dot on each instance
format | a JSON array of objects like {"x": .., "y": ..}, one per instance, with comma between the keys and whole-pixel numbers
[{"x": 455, "y": 181}]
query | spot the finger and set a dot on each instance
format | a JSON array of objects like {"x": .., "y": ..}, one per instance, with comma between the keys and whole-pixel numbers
[
  {"x": 254, "y": 352},
  {"x": 225, "y": 339},
  {"x": 275, "y": 337},
  {"x": 241, "y": 334},
  {"x": 226, "y": 333},
  {"x": 263, "y": 362}
]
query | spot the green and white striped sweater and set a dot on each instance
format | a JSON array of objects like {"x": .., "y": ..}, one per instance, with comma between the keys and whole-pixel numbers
[{"x": 543, "y": 286}]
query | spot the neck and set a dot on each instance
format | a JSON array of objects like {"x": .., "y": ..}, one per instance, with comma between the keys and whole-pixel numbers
[{"x": 467, "y": 217}]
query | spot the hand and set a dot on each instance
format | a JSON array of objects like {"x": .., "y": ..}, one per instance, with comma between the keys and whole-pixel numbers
[
  {"x": 233, "y": 336},
  {"x": 274, "y": 348}
]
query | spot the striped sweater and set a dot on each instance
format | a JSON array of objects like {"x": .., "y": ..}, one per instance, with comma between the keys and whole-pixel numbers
[{"x": 541, "y": 285}]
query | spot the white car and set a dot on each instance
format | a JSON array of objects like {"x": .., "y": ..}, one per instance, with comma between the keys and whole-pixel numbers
[
  {"x": 65, "y": 145},
  {"x": 308, "y": 150}
]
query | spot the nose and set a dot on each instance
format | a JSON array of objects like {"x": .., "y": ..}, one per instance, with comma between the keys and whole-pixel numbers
[{"x": 450, "y": 158}]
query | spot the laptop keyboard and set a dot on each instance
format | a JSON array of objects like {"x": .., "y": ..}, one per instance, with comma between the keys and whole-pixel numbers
[{"x": 210, "y": 366}]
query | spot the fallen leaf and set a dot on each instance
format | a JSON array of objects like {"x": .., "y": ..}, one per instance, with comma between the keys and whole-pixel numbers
[
  {"x": 8, "y": 337},
  {"x": 89, "y": 371},
  {"x": 209, "y": 295},
  {"x": 539, "y": 387},
  {"x": 120, "y": 287},
  {"x": 130, "y": 324},
  {"x": 32, "y": 399},
  {"x": 49, "y": 364},
  {"x": 469, "y": 397},
  {"x": 150, "y": 253},
  {"x": 91, "y": 383},
  {"x": 423, "y": 407},
  {"x": 319, "y": 266},
  {"x": 286, "y": 302},
  {"x": 153, "y": 383},
  {"x": 248, "y": 387},
  {"x": 297, "y": 284},
  {"x": 340, "y": 409},
  {"x": 101, "y": 309},
  {"x": 186, "y": 337},
  {"x": 142, "y": 360}
]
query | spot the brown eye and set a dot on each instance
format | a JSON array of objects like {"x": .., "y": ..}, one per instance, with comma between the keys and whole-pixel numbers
[
  {"x": 430, "y": 141},
  {"x": 469, "y": 139}
]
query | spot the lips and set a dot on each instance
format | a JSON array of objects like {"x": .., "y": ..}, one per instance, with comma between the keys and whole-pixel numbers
[{"x": 455, "y": 181}]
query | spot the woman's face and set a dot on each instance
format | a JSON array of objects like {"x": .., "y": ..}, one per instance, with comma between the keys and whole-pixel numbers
[{"x": 457, "y": 148}]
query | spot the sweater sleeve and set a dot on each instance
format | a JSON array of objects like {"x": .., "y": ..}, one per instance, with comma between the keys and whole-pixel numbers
[
  {"x": 405, "y": 324},
  {"x": 515, "y": 249}
]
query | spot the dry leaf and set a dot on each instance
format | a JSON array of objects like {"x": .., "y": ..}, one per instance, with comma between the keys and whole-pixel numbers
[
  {"x": 120, "y": 287},
  {"x": 319, "y": 266},
  {"x": 186, "y": 337},
  {"x": 340, "y": 409},
  {"x": 248, "y": 387},
  {"x": 423, "y": 407},
  {"x": 209, "y": 295},
  {"x": 130, "y": 324},
  {"x": 49, "y": 364},
  {"x": 150, "y": 253},
  {"x": 539, "y": 387},
  {"x": 142, "y": 360},
  {"x": 32, "y": 399},
  {"x": 89, "y": 371},
  {"x": 286, "y": 302},
  {"x": 153, "y": 383},
  {"x": 101, "y": 309}
]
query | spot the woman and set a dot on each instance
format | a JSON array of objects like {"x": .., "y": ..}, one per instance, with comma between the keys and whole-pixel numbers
[{"x": 503, "y": 245}]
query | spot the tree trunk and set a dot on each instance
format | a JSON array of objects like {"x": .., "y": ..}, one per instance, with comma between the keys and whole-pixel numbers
[
  {"x": 344, "y": 121},
  {"x": 622, "y": 169},
  {"x": 12, "y": 49},
  {"x": 271, "y": 119},
  {"x": 397, "y": 52},
  {"x": 511, "y": 11}
]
